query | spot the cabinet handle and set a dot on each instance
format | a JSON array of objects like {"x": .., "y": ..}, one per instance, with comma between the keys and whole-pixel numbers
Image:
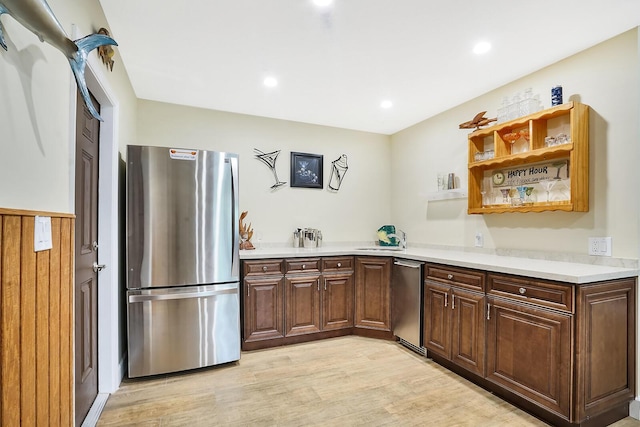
[
  {"x": 453, "y": 302},
  {"x": 450, "y": 276},
  {"x": 522, "y": 291},
  {"x": 339, "y": 264},
  {"x": 488, "y": 311},
  {"x": 318, "y": 282},
  {"x": 248, "y": 290},
  {"x": 325, "y": 284},
  {"x": 304, "y": 266},
  {"x": 264, "y": 268},
  {"x": 445, "y": 299}
]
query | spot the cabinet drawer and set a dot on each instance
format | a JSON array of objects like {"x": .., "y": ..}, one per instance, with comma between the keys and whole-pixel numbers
[
  {"x": 337, "y": 264},
  {"x": 302, "y": 265},
  {"x": 461, "y": 277},
  {"x": 547, "y": 294},
  {"x": 263, "y": 267}
]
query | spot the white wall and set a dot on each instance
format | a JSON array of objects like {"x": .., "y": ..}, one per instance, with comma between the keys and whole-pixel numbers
[
  {"x": 604, "y": 77},
  {"x": 37, "y": 111},
  {"x": 353, "y": 214}
]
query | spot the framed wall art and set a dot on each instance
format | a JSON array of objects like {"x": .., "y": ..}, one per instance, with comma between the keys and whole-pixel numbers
[{"x": 306, "y": 170}]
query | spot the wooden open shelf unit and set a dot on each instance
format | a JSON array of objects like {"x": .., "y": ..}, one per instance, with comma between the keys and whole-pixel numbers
[{"x": 571, "y": 118}]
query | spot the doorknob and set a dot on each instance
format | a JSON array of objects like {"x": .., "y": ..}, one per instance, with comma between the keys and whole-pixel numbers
[{"x": 98, "y": 267}]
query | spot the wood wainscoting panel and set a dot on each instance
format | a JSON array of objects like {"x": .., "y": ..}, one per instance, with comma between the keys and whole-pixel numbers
[{"x": 36, "y": 321}]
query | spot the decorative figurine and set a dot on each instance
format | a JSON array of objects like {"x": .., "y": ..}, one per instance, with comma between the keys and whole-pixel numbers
[
  {"x": 246, "y": 233},
  {"x": 37, "y": 17},
  {"x": 106, "y": 52},
  {"x": 477, "y": 121}
]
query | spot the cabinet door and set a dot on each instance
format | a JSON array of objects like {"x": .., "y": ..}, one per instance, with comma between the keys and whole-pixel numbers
[
  {"x": 437, "y": 319},
  {"x": 302, "y": 311},
  {"x": 529, "y": 353},
  {"x": 263, "y": 308},
  {"x": 468, "y": 330},
  {"x": 337, "y": 301},
  {"x": 373, "y": 293},
  {"x": 606, "y": 346}
]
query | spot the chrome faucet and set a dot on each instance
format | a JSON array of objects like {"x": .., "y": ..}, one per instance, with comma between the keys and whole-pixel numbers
[{"x": 402, "y": 237}]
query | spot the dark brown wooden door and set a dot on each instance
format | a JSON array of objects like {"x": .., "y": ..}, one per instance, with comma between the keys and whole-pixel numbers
[
  {"x": 302, "y": 311},
  {"x": 529, "y": 353},
  {"x": 373, "y": 293},
  {"x": 437, "y": 319},
  {"x": 86, "y": 251},
  {"x": 263, "y": 308},
  {"x": 468, "y": 330},
  {"x": 337, "y": 301}
]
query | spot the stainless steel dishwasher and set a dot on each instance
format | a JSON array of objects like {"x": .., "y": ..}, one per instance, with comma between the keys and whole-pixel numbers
[{"x": 407, "y": 297}]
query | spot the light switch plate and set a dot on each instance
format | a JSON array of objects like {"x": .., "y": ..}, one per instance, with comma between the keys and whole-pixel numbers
[{"x": 42, "y": 239}]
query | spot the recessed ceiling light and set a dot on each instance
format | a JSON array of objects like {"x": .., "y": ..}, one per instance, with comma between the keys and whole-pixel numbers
[
  {"x": 270, "y": 82},
  {"x": 482, "y": 47},
  {"x": 386, "y": 104},
  {"x": 322, "y": 3}
]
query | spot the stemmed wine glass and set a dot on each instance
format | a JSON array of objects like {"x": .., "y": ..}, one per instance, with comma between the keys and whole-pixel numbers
[
  {"x": 547, "y": 185},
  {"x": 486, "y": 191},
  {"x": 505, "y": 194}
]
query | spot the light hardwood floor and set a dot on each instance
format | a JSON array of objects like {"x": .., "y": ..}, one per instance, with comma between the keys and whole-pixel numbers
[{"x": 347, "y": 381}]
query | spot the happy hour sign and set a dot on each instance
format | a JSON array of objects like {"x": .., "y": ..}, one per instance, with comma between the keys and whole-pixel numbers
[{"x": 533, "y": 173}]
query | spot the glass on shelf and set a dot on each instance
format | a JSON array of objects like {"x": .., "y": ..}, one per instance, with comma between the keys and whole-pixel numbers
[
  {"x": 547, "y": 185},
  {"x": 505, "y": 194},
  {"x": 513, "y": 137}
]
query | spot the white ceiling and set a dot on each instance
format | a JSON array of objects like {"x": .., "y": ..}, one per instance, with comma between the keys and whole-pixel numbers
[{"x": 336, "y": 65}]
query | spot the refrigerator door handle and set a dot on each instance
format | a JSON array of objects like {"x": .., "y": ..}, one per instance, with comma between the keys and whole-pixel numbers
[
  {"x": 235, "y": 228},
  {"x": 181, "y": 295}
]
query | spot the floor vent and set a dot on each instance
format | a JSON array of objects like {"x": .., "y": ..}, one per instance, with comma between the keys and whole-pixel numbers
[{"x": 420, "y": 350}]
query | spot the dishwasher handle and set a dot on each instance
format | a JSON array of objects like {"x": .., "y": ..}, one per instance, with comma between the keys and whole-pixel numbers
[{"x": 409, "y": 264}]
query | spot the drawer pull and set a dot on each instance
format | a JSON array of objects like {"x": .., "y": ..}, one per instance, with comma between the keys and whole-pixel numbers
[
  {"x": 304, "y": 266},
  {"x": 522, "y": 291},
  {"x": 265, "y": 268},
  {"x": 339, "y": 264},
  {"x": 450, "y": 276}
]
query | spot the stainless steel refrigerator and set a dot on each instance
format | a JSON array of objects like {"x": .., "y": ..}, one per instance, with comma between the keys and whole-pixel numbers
[{"x": 183, "y": 306}]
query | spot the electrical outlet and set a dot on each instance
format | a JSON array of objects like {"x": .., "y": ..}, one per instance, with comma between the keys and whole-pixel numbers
[
  {"x": 479, "y": 240},
  {"x": 600, "y": 246}
]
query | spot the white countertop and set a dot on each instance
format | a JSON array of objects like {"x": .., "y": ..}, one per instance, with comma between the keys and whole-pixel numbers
[{"x": 571, "y": 272}]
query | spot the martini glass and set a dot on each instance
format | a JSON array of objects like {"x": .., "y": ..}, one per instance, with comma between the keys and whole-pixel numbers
[
  {"x": 547, "y": 185},
  {"x": 505, "y": 195},
  {"x": 528, "y": 191},
  {"x": 511, "y": 138}
]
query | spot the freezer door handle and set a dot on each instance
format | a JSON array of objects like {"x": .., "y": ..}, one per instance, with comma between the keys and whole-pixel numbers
[{"x": 181, "y": 295}]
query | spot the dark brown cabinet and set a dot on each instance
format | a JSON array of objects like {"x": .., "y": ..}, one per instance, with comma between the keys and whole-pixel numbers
[
  {"x": 303, "y": 305},
  {"x": 454, "y": 323},
  {"x": 337, "y": 301},
  {"x": 263, "y": 297},
  {"x": 373, "y": 293},
  {"x": 529, "y": 352},
  {"x": 568, "y": 349},
  {"x": 287, "y": 301}
]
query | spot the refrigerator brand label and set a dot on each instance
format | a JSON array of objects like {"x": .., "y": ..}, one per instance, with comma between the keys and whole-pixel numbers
[{"x": 178, "y": 154}]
